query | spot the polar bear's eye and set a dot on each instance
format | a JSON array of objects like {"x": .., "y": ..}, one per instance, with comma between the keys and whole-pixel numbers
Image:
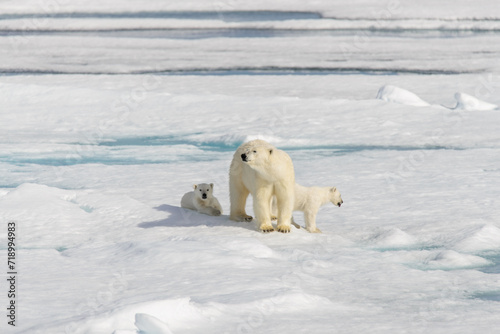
[{"x": 254, "y": 151}]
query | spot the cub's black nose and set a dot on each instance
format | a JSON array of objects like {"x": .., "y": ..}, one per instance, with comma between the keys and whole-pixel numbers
[
  {"x": 204, "y": 196},
  {"x": 244, "y": 157}
]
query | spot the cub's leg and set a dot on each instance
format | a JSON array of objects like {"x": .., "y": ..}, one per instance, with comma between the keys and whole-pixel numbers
[
  {"x": 295, "y": 224},
  {"x": 209, "y": 211},
  {"x": 310, "y": 218}
]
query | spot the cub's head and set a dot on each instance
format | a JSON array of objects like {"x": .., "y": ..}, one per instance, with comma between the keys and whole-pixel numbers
[
  {"x": 256, "y": 155},
  {"x": 203, "y": 190},
  {"x": 335, "y": 197}
]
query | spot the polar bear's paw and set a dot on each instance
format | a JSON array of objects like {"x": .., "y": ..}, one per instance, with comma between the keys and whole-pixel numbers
[
  {"x": 246, "y": 218},
  {"x": 266, "y": 228},
  {"x": 241, "y": 218},
  {"x": 315, "y": 230},
  {"x": 215, "y": 212},
  {"x": 284, "y": 228}
]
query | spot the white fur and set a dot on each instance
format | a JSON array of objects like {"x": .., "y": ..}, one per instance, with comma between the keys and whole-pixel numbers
[
  {"x": 309, "y": 200},
  {"x": 260, "y": 169},
  {"x": 194, "y": 200}
]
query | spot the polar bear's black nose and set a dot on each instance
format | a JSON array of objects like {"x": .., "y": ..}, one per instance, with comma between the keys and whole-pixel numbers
[
  {"x": 244, "y": 157},
  {"x": 204, "y": 196}
]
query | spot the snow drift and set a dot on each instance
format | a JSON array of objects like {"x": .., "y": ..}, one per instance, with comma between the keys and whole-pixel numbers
[
  {"x": 395, "y": 94},
  {"x": 468, "y": 102}
]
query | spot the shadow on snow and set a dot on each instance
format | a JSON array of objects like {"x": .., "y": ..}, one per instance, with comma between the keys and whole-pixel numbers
[{"x": 180, "y": 217}]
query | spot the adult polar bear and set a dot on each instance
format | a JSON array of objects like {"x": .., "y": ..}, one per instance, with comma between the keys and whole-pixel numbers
[{"x": 260, "y": 169}]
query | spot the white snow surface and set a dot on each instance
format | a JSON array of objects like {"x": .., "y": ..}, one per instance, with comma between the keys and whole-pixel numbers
[
  {"x": 394, "y": 94},
  {"x": 111, "y": 111},
  {"x": 468, "y": 102}
]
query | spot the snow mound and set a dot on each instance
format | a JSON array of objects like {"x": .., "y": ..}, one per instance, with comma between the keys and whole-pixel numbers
[
  {"x": 249, "y": 246},
  {"x": 280, "y": 303},
  {"x": 469, "y": 102},
  {"x": 148, "y": 324},
  {"x": 395, "y": 94},
  {"x": 74, "y": 214},
  {"x": 448, "y": 260},
  {"x": 175, "y": 315},
  {"x": 485, "y": 238},
  {"x": 37, "y": 206},
  {"x": 269, "y": 138},
  {"x": 394, "y": 238},
  {"x": 234, "y": 140},
  {"x": 150, "y": 317}
]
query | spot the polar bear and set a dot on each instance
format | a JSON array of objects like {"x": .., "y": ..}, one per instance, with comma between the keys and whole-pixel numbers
[
  {"x": 202, "y": 200},
  {"x": 260, "y": 169},
  {"x": 309, "y": 200}
]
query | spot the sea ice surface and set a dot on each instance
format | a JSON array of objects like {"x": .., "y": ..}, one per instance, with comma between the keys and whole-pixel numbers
[{"x": 111, "y": 111}]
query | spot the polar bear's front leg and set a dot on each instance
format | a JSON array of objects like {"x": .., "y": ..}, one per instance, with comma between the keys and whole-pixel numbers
[
  {"x": 310, "y": 218},
  {"x": 285, "y": 209},
  {"x": 261, "y": 208},
  {"x": 238, "y": 197},
  {"x": 210, "y": 211}
]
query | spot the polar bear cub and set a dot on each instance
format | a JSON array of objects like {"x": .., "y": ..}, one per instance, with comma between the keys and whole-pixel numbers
[
  {"x": 309, "y": 200},
  {"x": 202, "y": 200}
]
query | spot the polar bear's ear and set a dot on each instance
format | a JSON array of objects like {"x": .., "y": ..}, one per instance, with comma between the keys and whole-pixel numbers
[
  {"x": 195, "y": 186},
  {"x": 271, "y": 151},
  {"x": 211, "y": 186},
  {"x": 333, "y": 189}
]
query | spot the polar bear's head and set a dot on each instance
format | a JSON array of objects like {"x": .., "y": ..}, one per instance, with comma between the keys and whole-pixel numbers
[
  {"x": 203, "y": 191},
  {"x": 335, "y": 197},
  {"x": 257, "y": 155}
]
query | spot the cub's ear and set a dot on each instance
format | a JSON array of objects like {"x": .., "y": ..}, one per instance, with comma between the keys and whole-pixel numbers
[
  {"x": 195, "y": 186},
  {"x": 211, "y": 186},
  {"x": 333, "y": 189},
  {"x": 271, "y": 151}
]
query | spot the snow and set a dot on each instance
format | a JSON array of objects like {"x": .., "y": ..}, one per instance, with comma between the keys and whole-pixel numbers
[
  {"x": 111, "y": 111},
  {"x": 451, "y": 260},
  {"x": 484, "y": 238},
  {"x": 399, "y": 95},
  {"x": 468, "y": 102},
  {"x": 149, "y": 324}
]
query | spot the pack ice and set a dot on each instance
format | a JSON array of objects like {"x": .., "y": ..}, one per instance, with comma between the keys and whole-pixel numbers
[{"x": 111, "y": 111}]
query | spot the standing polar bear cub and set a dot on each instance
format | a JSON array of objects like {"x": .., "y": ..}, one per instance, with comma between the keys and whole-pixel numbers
[
  {"x": 309, "y": 200},
  {"x": 260, "y": 169},
  {"x": 202, "y": 200}
]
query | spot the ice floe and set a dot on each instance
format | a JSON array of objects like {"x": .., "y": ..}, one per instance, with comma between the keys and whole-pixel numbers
[
  {"x": 449, "y": 259},
  {"x": 484, "y": 238},
  {"x": 148, "y": 324},
  {"x": 392, "y": 239},
  {"x": 471, "y": 103},
  {"x": 110, "y": 111},
  {"x": 395, "y": 94}
]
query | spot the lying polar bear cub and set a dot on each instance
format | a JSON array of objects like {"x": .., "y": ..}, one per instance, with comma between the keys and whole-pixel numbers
[
  {"x": 202, "y": 200},
  {"x": 309, "y": 200}
]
